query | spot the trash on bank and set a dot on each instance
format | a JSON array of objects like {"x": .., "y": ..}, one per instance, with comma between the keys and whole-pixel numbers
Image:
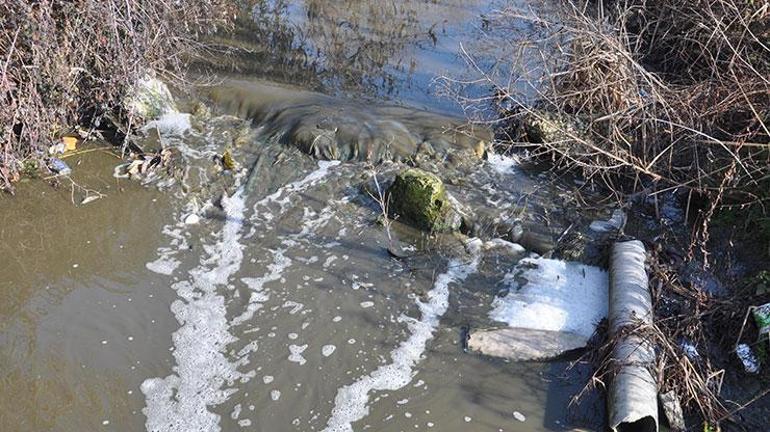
[
  {"x": 66, "y": 144},
  {"x": 633, "y": 392},
  {"x": 89, "y": 199},
  {"x": 70, "y": 143},
  {"x": 762, "y": 318},
  {"x": 143, "y": 165},
  {"x": 58, "y": 166},
  {"x": 748, "y": 358},
  {"x": 689, "y": 350}
]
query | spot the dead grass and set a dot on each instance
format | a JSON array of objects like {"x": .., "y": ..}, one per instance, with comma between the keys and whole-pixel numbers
[{"x": 645, "y": 97}]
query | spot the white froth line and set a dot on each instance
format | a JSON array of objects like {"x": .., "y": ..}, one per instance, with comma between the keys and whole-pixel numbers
[
  {"x": 350, "y": 404},
  {"x": 256, "y": 285},
  {"x": 180, "y": 401},
  {"x": 166, "y": 264},
  {"x": 323, "y": 170}
]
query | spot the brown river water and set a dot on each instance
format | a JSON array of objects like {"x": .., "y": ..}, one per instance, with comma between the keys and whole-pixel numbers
[{"x": 282, "y": 310}]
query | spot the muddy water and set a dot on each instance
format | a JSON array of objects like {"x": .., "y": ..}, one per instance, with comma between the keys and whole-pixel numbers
[{"x": 281, "y": 310}]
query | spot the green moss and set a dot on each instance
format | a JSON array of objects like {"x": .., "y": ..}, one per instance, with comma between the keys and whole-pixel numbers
[
  {"x": 419, "y": 197},
  {"x": 30, "y": 168},
  {"x": 545, "y": 127}
]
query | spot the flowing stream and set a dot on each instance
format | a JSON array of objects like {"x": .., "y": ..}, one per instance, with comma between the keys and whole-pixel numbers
[{"x": 266, "y": 299}]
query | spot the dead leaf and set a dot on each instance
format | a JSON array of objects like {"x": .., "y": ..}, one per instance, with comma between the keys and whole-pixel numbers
[
  {"x": 89, "y": 199},
  {"x": 70, "y": 143},
  {"x": 228, "y": 161}
]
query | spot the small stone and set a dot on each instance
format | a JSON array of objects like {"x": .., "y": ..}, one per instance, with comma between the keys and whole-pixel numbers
[
  {"x": 673, "y": 410},
  {"x": 192, "y": 219}
]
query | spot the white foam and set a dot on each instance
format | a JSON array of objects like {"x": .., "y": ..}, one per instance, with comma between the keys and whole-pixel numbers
[
  {"x": 557, "y": 296},
  {"x": 172, "y": 123},
  {"x": 501, "y": 163},
  {"x": 275, "y": 394},
  {"x": 164, "y": 265},
  {"x": 181, "y": 401},
  {"x": 282, "y": 195},
  {"x": 328, "y": 350},
  {"x": 295, "y": 306},
  {"x": 295, "y": 353},
  {"x": 256, "y": 285},
  {"x": 350, "y": 404}
]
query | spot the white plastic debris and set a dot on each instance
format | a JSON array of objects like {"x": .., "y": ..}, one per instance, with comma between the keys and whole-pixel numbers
[
  {"x": 690, "y": 350},
  {"x": 747, "y": 357}
]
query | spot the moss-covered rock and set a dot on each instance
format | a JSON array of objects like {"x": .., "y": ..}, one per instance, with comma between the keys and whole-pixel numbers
[
  {"x": 541, "y": 126},
  {"x": 419, "y": 198}
]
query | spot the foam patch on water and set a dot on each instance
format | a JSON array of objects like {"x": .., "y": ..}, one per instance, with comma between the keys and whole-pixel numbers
[
  {"x": 283, "y": 195},
  {"x": 172, "y": 123},
  {"x": 501, "y": 163},
  {"x": 295, "y": 354},
  {"x": 256, "y": 285},
  {"x": 350, "y": 404},
  {"x": 180, "y": 402},
  {"x": 557, "y": 296},
  {"x": 163, "y": 265},
  {"x": 166, "y": 264},
  {"x": 328, "y": 350}
]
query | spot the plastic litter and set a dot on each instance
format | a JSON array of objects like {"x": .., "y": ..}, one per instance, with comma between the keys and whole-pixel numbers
[
  {"x": 89, "y": 199},
  {"x": 672, "y": 408},
  {"x": 59, "y": 166},
  {"x": 748, "y": 358},
  {"x": 70, "y": 143},
  {"x": 762, "y": 318}
]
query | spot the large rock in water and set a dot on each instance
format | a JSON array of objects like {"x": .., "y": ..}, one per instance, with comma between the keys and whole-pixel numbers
[{"x": 419, "y": 197}]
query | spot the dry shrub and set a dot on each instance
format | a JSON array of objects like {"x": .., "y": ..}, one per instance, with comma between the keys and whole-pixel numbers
[
  {"x": 648, "y": 95},
  {"x": 69, "y": 62}
]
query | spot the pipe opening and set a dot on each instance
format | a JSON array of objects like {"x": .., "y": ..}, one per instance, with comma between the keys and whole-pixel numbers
[{"x": 645, "y": 424}]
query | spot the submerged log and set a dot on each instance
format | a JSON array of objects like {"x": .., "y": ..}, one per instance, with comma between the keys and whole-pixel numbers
[{"x": 632, "y": 400}]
